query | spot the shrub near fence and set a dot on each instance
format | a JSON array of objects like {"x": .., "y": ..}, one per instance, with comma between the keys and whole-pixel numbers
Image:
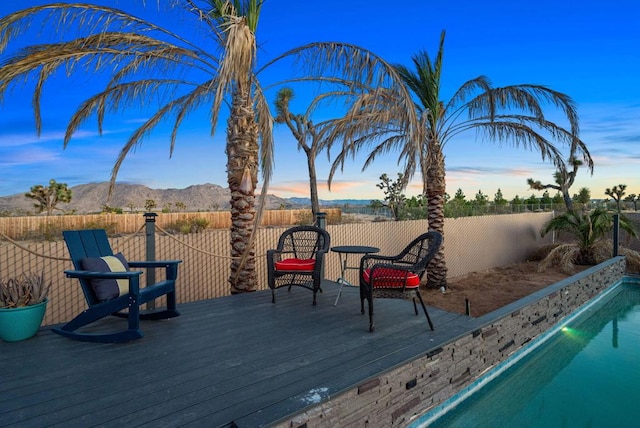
[{"x": 471, "y": 244}]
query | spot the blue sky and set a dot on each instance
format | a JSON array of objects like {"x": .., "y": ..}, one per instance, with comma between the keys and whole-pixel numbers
[{"x": 589, "y": 50}]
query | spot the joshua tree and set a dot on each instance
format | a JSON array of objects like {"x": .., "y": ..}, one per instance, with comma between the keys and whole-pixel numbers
[
  {"x": 393, "y": 193},
  {"x": 307, "y": 136},
  {"x": 616, "y": 192},
  {"x": 634, "y": 199},
  {"x": 566, "y": 172},
  {"x": 132, "y": 206},
  {"x": 149, "y": 204},
  {"x": 512, "y": 114},
  {"x": 147, "y": 65},
  {"x": 48, "y": 197}
]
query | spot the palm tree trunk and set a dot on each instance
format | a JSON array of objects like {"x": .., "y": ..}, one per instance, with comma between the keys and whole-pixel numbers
[
  {"x": 242, "y": 177},
  {"x": 437, "y": 268}
]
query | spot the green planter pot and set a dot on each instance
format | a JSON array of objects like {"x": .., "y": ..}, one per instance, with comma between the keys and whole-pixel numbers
[{"x": 21, "y": 323}]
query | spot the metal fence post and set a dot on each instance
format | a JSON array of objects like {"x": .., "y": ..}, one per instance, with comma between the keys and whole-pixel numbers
[
  {"x": 616, "y": 233},
  {"x": 150, "y": 232},
  {"x": 321, "y": 222}
]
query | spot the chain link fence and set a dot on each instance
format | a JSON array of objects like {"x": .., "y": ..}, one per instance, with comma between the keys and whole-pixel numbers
[{"x": 471, "y": 244}]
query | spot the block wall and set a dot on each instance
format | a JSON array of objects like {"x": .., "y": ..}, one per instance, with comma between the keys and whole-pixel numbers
[{"x": 395, "y": 398}]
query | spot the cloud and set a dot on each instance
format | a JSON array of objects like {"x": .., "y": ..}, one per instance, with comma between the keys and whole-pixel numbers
[
  {"x": 136, "y": 120},
  {"x": 490, "y": 170},
  {"x": 26, "y": 138},
  {"x": 301, "y": 187},
  {"x": 295, "y": 188},
  {"x": 29, "y": 156}
]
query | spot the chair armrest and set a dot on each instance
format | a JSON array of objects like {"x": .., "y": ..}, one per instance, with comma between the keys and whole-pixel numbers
[
  {"x": 171, "y": 266},
  {"x": 272, "y": 257},
  {"x": 369, "y": 260},
  {"x": 132, "y": 276},
  {"x": 81, "y": 274},
  {"x": 154, "y": 263},
  {"x": 394, "y": 266},
  {"x": 278, "y": 255}
]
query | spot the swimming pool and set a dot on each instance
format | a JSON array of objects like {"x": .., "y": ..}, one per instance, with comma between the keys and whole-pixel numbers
[{"x": 586, "y": 373}]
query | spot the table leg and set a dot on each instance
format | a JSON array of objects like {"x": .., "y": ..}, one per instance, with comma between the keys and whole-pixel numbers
[{"x": 342, "y": 280}]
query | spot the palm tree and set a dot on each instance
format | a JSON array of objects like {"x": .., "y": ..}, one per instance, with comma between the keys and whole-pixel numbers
[
  {"x": 512, "y": 114},
  {"x": 148, "y": 65},
  {"x": 588, "y": 233}
]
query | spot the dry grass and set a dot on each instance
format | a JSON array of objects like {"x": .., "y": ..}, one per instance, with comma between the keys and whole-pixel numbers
[{"x": 492, "y": 289}]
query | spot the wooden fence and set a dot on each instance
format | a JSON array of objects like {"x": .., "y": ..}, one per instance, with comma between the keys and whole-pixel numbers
[{"x": 50, "y": 227}]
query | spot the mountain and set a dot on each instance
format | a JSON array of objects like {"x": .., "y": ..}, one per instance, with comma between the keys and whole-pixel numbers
[
  {"x": 90, "y": 198},
  {"x": 329, "y": 202}
]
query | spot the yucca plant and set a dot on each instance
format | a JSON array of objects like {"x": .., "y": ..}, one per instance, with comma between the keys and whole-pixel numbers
[{"x": 25, "y": 290}]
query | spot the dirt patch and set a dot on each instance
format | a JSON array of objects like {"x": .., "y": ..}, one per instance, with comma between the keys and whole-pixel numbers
[{"x": 494, "y": 288}]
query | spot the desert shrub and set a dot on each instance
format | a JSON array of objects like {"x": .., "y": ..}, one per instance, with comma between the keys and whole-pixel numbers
[
  {"x": 350, "y": 218},
  {"x": 188, "y": 225},
  {"x": 110, "y": 228},
  {"x": 541, "y": 252},
  {"x": 49, "y": 231},
  {"x": 304, "y": 218}
]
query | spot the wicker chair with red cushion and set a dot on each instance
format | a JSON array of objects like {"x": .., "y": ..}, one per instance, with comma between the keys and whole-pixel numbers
[
  {"x": 298, "y": 259},
  {"x": 398, "y": 276}
]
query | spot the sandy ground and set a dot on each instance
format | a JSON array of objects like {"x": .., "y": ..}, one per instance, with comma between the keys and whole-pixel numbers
[{"x": 494, "y": 288}]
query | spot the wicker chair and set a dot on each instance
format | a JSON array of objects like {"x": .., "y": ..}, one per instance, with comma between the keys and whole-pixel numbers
[
  {"x": 298, "y": 260},
  {"x": 398, "y": 276}
]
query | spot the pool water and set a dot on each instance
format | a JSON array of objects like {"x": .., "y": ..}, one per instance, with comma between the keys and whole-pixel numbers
[{"x": 586, "y": 375}]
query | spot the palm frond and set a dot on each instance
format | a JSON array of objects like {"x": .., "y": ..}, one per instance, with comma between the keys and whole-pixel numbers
[
  {"x": 93, "y": 52},
  {"x": 265, "y": 128},
  {"x": 140, "y": 91},
  {"x": 564, "y": 255},
  {"x": 177, "y": 104}
]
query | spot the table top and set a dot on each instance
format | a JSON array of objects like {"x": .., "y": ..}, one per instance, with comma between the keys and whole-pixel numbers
[{"x": 355, "y": 249}]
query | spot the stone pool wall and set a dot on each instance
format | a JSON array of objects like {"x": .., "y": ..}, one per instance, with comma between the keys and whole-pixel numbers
[{"x": 398, "y": 396}]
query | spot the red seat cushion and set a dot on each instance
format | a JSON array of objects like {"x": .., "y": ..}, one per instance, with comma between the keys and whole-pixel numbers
[
  {"x": 391, "y": 278},
  {"x": 306, "y": 265}
]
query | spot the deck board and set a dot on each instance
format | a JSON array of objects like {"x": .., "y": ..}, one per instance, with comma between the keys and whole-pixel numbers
[{"x": 237, "y": 360}]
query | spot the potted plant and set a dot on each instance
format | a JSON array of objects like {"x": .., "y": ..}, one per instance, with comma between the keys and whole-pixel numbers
[{"x": 23, "y": 300}]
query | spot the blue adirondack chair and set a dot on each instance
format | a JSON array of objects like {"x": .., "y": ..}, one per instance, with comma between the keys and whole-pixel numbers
[{"x": 110, "y": 288}]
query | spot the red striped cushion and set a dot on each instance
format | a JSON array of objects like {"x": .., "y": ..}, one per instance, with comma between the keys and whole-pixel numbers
[
  {"x": 296, "y": 264},
  {"x": 389, "y": 277}
]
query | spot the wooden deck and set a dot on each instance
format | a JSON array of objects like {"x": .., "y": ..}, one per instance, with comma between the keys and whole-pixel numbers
[{"x": 235, "y": 361}]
